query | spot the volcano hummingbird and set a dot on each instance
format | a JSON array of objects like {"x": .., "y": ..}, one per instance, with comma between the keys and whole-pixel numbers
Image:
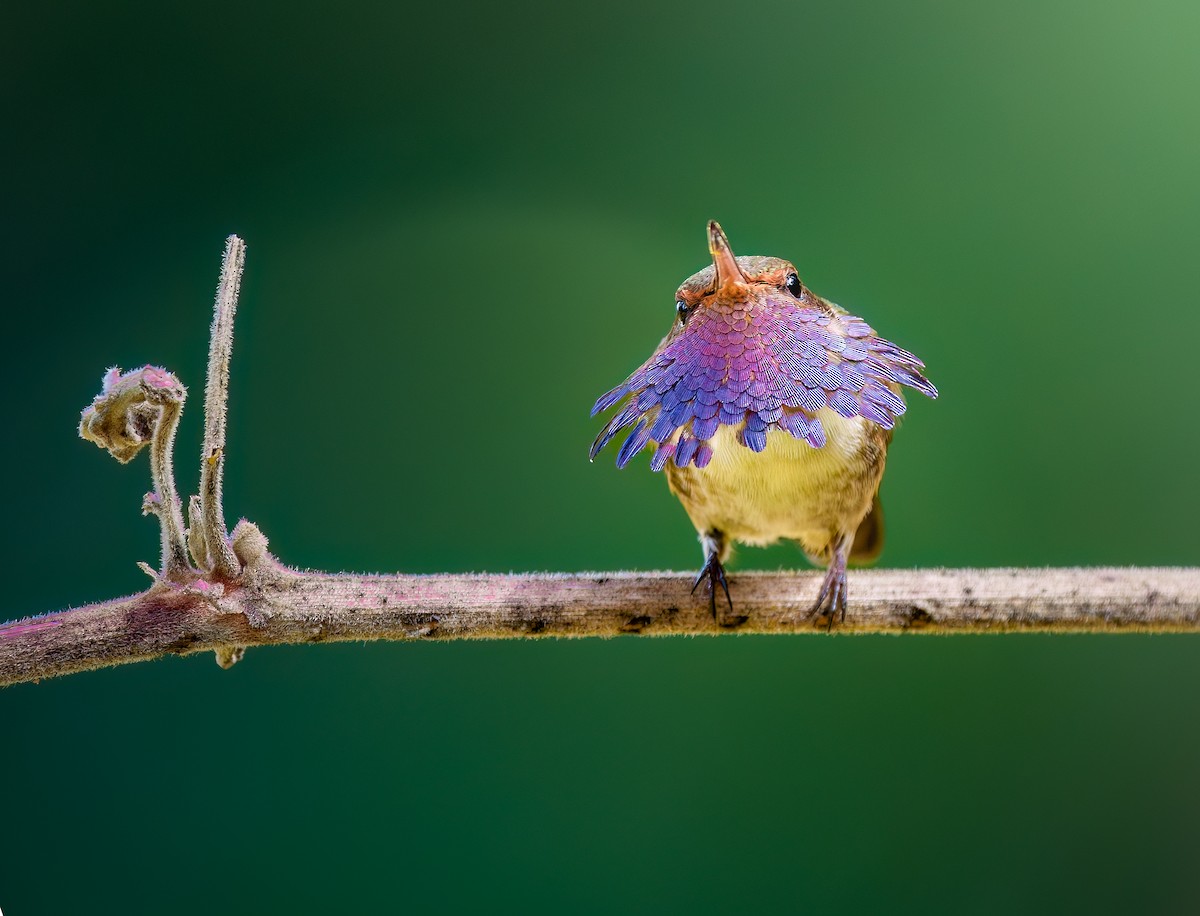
[{"x": 771, "y": 410}]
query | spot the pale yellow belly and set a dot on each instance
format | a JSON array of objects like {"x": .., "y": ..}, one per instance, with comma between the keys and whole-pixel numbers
[{"x": 790, "y": 489}]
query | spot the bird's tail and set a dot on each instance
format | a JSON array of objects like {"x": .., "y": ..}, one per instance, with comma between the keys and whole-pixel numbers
[{"x": 868, "y": 539}]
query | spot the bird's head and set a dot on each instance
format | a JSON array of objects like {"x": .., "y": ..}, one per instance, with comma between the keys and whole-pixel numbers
[{"x": 732, "y": 285}]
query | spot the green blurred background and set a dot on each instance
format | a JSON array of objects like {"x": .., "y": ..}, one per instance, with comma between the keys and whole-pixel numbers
[{"x": 465, "y": 220}]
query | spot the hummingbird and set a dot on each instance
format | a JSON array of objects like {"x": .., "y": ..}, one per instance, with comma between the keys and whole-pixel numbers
[{"x": 771, "y": 410}]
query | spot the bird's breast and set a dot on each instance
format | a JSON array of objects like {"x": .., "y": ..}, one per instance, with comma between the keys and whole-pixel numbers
[{"x": 788, "y": 490}]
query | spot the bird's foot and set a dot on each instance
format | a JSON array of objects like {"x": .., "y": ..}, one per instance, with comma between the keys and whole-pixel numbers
[
  {"x": 714, "y": 572},
  {"x": 831, "y": 602}
]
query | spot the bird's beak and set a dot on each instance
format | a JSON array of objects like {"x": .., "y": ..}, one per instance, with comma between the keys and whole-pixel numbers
[{"x": 730, "y": 280}]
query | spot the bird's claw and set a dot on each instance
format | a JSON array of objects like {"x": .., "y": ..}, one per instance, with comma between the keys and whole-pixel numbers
[
  {"x": 832, "y": 598},
  {"x": 714, "y": 572}
]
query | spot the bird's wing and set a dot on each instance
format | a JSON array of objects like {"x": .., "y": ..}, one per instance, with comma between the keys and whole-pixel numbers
[{"x": 775, "y": 367}]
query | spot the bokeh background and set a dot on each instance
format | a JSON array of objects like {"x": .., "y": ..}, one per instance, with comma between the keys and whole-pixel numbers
[{"x": 466, "y": 220}]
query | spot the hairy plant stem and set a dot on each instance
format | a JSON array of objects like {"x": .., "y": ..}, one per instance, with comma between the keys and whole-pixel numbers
[
  {"x": 215, "y": 535},
  {"x": 275, "y": 605}
]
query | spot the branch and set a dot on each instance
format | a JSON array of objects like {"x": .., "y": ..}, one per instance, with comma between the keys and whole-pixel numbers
[
  {"x": 232, "y": 593},
  {"x": 277, "y": 606}
]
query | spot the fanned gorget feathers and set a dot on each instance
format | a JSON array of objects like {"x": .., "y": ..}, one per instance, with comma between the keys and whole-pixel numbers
[{"x": 769, "y": 363}]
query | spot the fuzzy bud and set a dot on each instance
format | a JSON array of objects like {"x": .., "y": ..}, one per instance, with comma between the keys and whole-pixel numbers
[
  {"x": 122, "y": 418},
  {"x": 249, "y": 543}
]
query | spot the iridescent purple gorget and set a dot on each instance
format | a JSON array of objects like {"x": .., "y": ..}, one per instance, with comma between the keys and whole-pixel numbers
[{"x": 771, "y": 364}]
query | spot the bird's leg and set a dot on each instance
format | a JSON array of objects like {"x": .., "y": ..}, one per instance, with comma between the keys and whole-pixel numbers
[
  {"x": 834, "y": 591},
  {"x": 716, "y": 549}
]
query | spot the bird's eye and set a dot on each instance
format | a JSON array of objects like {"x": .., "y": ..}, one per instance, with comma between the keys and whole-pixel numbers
[
  {"x": 792, "y": 285},
  {"x": 681, "y": 309}
]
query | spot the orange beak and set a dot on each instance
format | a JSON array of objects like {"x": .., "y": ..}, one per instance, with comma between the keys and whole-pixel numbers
[{"x": 730, "y": 280}]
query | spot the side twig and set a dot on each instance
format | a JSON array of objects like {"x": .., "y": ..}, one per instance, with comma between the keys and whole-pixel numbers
[
  {"x": 134, "y": 410},
  {"x": 216, "y": 396}
]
